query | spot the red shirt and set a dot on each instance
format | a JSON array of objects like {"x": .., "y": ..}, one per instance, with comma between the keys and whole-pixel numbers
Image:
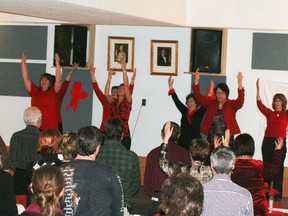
[
  {"x": 277, "y": 121},
  {"x": 154, "y": 176},
  {"x": 106, "y": 105},
  {"x": 122, "y": 111},
  {"x": 230, "y": 107},
  {"x": 46, "y": 102}
]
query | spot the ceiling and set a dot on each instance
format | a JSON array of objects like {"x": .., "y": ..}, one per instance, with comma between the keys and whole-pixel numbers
[{"x": 61, "y": 11}]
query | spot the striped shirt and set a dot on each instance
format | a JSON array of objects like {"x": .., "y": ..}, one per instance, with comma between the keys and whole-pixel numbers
[{"x": 225, "y": 198}]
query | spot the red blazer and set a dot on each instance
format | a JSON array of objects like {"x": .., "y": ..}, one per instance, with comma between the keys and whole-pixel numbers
[{"x": 229, "y": 109}]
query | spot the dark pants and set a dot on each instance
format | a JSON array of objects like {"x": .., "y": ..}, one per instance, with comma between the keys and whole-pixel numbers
[
  {"x": 126, "y": 142},
  {"x": 155, "y": 203},
  {"x": 268, "y": 147}
]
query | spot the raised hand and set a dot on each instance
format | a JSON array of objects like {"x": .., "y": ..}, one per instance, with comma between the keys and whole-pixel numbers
[
  {"x": 240, "y": 79},
  {"x": 24, "y": 57},
  {"x": 170, "y": 82},
  {"x": 168, "y": 130}
]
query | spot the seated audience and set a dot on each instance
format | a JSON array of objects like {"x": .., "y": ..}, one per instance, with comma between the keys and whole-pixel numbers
[
  {"x": 23, "y": 149},
  {"x": 251, "y": 174},
  {"x": 124, "y": 161},
  {"x": 5, "y": 156},
  {"x": 221, "y": 195},
  {"x": 8, "y": 201},
  {"x": 182, "y": 195},
  {"x": 47, "y": 189},
  {"x": 91, "y": 188},
  {"x": 154, "y": 176},
  {"x": 68, "y": 145},
  {"x": 199, "y": 150},
  {"x": 49, "y": 147}
]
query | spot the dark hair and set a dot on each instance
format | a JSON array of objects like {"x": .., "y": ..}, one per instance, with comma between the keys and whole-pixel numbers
[
  {"x": 88, "y": 139},
  {"x": 224, "y": 87},
  {"x": 176, "y": 131},
  {"x": 47, "y": 185},
  {"x": 191, "y": 95},
  {"x": 199, "y": 149},
  {"x": 49, "y": 77},
  {"x": 282, "y": 98},
  {"x": 222, "y": 160},
  {"x": 49, "y": 142},
  {"x": 244, "y": 145},
  {"x": 114, "y": 129},
  {"x": 68, "y": 145},
  {"x": 182, "y": 195},
  {"x": 114, "y": 87}
]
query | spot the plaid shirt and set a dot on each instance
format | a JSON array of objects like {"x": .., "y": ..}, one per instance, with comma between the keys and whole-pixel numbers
[
  {"x": 195, "y": 168},
  {"x": 126, "y": 163}
]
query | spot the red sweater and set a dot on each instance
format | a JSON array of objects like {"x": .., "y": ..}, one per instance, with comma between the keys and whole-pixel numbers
[
  {"x": 277, "y": 121},
  {"x": 46, "y": 101},
  {"x": 106, "y": 105},
  {"x": 230, "y": 107}
]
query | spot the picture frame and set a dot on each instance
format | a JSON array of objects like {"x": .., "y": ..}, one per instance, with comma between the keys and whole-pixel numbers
[
  {"x": 119, "y": 48},
  {"x": 167, "y": 65}
]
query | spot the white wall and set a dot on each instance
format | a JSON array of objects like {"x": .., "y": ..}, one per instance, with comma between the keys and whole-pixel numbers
[{"x": 154, "y": 89}]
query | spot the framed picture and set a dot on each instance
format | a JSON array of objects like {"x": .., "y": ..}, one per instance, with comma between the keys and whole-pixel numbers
[
  {"x": 164, "y": 57},
  {"x": 120, "y": 48}
]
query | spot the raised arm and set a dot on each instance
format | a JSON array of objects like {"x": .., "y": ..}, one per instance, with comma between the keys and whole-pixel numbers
[
  {"x": 74, "y": 67},
  {"x": 107, "y": 87},
  {"x": 197, "y": 77},
  {"x": 25, "y": 76},
  {"x": 258, "y": 90},
  {"x": 58, "y": 81},
  {"x": 240, "y": 79},
  {"x": 126, "y": 82}
]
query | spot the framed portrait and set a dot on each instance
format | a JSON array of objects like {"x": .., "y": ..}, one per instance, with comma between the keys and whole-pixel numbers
[
  {"x": 164, "y": 58},
  {"x": 120, "y": 48}
]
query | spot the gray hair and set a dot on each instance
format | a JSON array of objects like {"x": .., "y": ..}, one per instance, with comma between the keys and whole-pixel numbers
[
  {"x": 32, "y": 115},
  {"x": 222, "y": 160}
]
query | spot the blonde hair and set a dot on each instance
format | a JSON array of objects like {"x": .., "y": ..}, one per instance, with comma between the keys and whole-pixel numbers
[{"x": 68, "y": 145}]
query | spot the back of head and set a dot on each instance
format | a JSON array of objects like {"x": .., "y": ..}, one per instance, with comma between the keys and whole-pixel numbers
[
  {"x": 244, "y": 145},
  {"x": 68, "y": 145},
  {"x": 176, "y": 131},
  {"x": 224, "y": 87},
  {"x": 113, "y": 129},
  {"x": 32, "y": 116},
  {"x": 88, "y": 139},
  {"x": 222, "y": 160},
  {"x": 47, "y": 187},
  {"x": 49, "y": 142},
  {"x": 199, "y": 149},
  {"x": 182, "y": 195}
]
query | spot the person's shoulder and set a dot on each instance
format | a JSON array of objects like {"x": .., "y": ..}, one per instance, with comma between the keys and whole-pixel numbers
[{"x": 154, "y": 151}]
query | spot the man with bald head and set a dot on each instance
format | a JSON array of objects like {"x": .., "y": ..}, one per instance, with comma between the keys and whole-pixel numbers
[{"x": 23, "y": 148}]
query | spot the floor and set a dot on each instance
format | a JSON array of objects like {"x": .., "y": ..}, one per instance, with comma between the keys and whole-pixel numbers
[{"x": 142, "y": 203}]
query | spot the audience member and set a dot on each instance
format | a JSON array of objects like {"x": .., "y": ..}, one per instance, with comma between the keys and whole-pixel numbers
[
  {"x": 191, "y": 116},
  {"x": 182, "y": 195},
  {"x": 68, "y": 145},
  {"x": 124, "y": 161},
  {"x": 45, "y": 96},
  {"x": 5, "y": 156},
  {"x": 199, "y": 150},
  {"x": 47, "y": 187},
  {"x": 251, "y": 174},
  {"x": 277, "y": 121},
  {"x": 91, "y": 188},
  {"x": 23, "y": 149},
  {"x": 221, "y": 195},
  {"x": 49, "y": 147},
  {"x": 8, "y": 201},
  {"x": 220, "y": 113},
  {"x": 154, "y": 176}
]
